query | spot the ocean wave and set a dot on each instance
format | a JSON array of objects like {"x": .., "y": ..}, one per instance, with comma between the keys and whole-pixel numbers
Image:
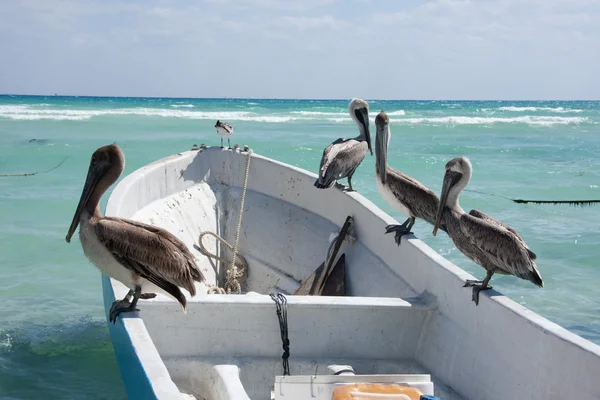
[
  {"x": 23, "y": 112},
  {"x": 534, "y": 109},
  {"x": 461, "y": 120},
  {"x": 319, "y": 113},
  {"x": 399, "y": 112},
  {"x": 182, "y": 105},
  {"x": 342, "y": 113}
]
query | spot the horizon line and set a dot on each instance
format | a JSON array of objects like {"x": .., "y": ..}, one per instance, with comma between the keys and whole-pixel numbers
[{"x": 270, "y": 98}]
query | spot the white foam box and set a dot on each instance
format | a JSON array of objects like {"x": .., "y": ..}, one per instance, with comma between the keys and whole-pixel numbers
[{"x": 320, "y": 387}]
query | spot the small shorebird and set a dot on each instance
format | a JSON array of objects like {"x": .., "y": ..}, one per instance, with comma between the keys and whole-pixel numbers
[
  {"x": 224, "y": 130},
  {"x": 145, "y": 258},
  {"x": 402, "y": 192},
  {"x": 493, "y": 245},
  {"x": 342, "y": 157}
]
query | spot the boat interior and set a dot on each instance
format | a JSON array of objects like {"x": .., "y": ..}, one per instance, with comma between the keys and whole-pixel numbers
[{"x": 230, "y": 345}]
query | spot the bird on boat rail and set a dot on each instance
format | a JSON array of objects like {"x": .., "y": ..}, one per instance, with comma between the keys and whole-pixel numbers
[
  {"x": 341, "y": 158},
  {"x": 498, "y": 248},
  {"x": 402, "y": 192},
  {"x": 224, "y": 130},
  {"x": 145, "y": 258}
]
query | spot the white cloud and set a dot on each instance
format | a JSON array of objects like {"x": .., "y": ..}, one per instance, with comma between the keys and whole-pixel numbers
[{"x": 313, "y": 48}]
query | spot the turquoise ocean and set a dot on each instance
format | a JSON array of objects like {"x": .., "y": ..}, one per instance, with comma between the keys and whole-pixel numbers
[{"x": 54, "y": 343}]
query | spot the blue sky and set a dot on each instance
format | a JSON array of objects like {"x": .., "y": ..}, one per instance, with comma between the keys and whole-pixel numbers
[{"x": 387, "y": 49}]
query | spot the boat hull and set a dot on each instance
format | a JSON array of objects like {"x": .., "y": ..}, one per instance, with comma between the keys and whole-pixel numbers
[{"x": 497, "y": 350}]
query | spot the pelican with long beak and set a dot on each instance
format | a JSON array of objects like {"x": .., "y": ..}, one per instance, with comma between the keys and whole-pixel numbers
[
  {"x": 488, "y": 242},
  {"x": 145, "y": 258},
  {"x": 402, "y": 192},
  {"x": 342, "y": 157}
]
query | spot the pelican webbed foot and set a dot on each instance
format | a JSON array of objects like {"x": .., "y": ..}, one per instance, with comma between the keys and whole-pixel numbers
[
  {"x": 125, "y": 305},
  {"x": 476, "y": 290},
  {"x": 479, "y": 286},
  {"x": 472, "y": 282},
  {"x": 401, "y": 230},
  {"x": 349, "y": 187}
]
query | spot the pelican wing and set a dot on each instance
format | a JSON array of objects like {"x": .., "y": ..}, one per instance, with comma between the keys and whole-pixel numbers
[
  {"x": 418, "y": 198},
  {"x": 502, "y": 248},
  {"x": 328, "y": 154},
  {"x": 485, "y": 217},
  {"x": 342, "y": 157},
  {"x": 151, "y": 252}
]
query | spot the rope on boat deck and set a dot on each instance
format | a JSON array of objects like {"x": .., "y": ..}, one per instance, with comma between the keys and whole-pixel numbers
[
  {"x": 233, "y": 274},
  {"x": 281, "y": 304}
]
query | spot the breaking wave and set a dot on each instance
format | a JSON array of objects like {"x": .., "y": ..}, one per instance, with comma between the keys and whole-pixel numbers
[
  {"x": 182, "y": 105},
  {"x": 526, "y": 119},
  {"x": 534, "y": 109},
  {"x": 319, "y": 113},
  {"x": 399, "y": 112},
  {"x": 343, "y": 114},
  {"x": 24, "y": 112}
]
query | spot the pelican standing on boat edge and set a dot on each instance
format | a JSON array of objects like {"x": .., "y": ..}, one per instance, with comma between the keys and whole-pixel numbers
[
  {"x": 488, "y": 242},
  {"x": 342, "y": 157},
  {"x": 145, "y": 258},
  {"x": 224, "y": 130},
  {"x": 402, "y": 192}
]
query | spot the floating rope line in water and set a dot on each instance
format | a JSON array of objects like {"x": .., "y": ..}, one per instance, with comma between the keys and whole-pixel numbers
[
  {"x": 35, "y": 173},
  {"x": 574, "y": 203},
  {"x": 281, "y": 304}
]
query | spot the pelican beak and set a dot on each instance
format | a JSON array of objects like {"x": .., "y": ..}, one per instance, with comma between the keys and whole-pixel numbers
[
  {"x": 381, "y": 141},
  {"x": 95, "y": 172},
  {"x": 362, "y": 115},
  {"x": 450, "y": 180},
  {"x": 366, "y": 124}
]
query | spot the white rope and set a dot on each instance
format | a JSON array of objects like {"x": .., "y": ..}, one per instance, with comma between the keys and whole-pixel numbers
[{"x": 233, "y": 274}]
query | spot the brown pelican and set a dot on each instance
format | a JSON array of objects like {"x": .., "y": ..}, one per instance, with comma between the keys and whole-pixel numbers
[
  {"x": 224, "y": 130},
  {"x": 402, "y": 192},
  {"x": 342, "y": 157},
  {"x": 488, "y": 242},
  {"x": 145, "y": 258}
]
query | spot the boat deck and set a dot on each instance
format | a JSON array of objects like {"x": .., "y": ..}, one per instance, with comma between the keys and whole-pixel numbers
[{"x": 374, "y": 335}]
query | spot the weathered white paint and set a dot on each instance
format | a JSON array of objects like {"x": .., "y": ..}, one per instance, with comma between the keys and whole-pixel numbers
[{"x": 417, "y": 318}]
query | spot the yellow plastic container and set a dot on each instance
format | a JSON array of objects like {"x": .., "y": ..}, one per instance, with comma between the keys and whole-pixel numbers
[{"x": 375, "y": 391}]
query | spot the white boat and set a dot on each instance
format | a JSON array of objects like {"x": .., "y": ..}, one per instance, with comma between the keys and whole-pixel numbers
[{"x": 405, "y": 317}]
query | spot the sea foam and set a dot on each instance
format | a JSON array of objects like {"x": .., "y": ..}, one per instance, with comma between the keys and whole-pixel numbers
[
  {"x": 24, "y": 112},
  {"x": 534, "y": 109}
]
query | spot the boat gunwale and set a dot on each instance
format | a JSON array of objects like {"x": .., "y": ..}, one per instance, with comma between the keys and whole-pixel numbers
[{"x": 422, "y": 302}]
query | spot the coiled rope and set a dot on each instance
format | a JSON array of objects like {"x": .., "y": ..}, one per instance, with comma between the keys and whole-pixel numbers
[{"x": 238, "y": 270}]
